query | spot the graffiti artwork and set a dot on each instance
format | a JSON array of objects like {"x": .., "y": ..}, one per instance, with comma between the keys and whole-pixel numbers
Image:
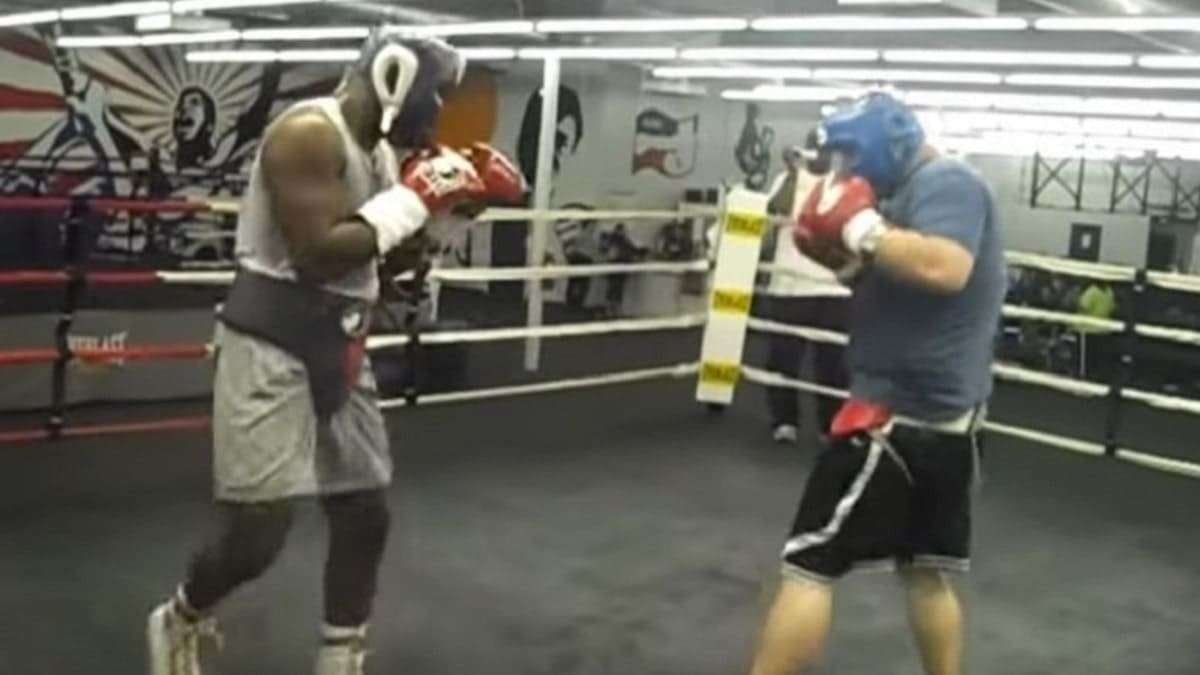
[
  {"x": 137, "y": 123},
  {"x": 664, "y": 144}
]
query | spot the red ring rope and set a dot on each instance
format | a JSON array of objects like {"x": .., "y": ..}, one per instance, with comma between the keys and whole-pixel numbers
[
  {"x": 33, "y": 203},
  {"x": 58, "y": 277},
  {"x": 103, "y": 429},
  {"x": 164, "y": 352}
]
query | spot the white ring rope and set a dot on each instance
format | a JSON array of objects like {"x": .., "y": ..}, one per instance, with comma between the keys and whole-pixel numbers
[
  {"x": 1180, "y": 335},
  {"x": 814, "y": 334},
  {"x": 1076, "y": 321},
  {"x": 225, "y": 278},
  {"x": 565, "y": 271},
  {"x": 1066, "y": 385},
  {"x": 674, "y": 372},
  {"x": 1101, "y": 271},
  {"x": 1067, "y": 318},
  {"x": 493, "y": 215},
  {"x": 1053, "y": 440},
  {"x": 1163, "y": 401},
  {"x": 1187, "y": 283},
  {"x": 570, "y": 330},
  {"x": 1167, "y": 464}
]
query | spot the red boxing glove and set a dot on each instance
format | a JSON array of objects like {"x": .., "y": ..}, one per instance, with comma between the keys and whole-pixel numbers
[
  {"x": 503, "y": 183},
  {"x": 840, "y": 214},
  {"x": 442, "y": 179}
]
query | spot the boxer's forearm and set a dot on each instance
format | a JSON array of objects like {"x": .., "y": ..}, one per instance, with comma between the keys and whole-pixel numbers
[
  {"x": 933, "y": 263},
  {"x": 345, "y": 247}
]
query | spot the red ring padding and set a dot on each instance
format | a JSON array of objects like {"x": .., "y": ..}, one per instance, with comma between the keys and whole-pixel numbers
[
  {"x": 165, "y": 352},
  {"x": 34, "y": 203},
  {"x": 74, "y": 431},
  {"x": 58, "y": 277}
]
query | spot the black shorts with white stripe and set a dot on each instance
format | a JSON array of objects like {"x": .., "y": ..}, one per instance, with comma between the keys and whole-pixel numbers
[{"x": 870, "y": 507}]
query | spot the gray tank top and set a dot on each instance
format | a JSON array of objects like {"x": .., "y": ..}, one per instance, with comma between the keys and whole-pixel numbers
[{"x": 261, "y": 246}]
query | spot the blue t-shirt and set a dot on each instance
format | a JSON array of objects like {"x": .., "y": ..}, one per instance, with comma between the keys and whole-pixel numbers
[{"x": 929, "y": 355}]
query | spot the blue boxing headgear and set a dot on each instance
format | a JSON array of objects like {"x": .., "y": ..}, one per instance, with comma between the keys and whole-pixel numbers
[{"x": 879, "y": 137}]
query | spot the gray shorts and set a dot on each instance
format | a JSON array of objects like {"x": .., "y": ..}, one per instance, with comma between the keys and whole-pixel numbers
[{"x": 267, "y": 444}]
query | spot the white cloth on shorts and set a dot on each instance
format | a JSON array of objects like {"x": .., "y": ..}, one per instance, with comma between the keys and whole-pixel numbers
[{"x": 266, "y": 441}]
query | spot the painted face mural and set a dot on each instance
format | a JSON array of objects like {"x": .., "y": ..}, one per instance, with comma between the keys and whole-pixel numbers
[
  {"x": 140, "y": 123},
  {"x": 193, "y": 126},
  {"x": 567, "y": 136},
  {"x": 665, "y": 144}
]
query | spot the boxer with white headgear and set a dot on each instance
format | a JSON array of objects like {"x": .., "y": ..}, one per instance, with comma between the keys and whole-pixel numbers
[{"x": 340, "y": 185}]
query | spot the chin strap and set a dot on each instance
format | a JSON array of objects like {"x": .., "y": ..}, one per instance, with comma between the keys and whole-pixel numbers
[{"x": 404, "y": 61}]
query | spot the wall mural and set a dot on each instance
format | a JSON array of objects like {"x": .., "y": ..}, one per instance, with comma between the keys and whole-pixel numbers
[
  {"x": 139, "y": 123},
  {"x": 665, "y": 144},
  {"x": 567, "y": 136},
  {"x": 753, "y": 149}
]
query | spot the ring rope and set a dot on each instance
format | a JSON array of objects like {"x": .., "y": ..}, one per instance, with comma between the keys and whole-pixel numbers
[
  {"x": 1145, "y": 459},
  {"x": 509, "y": 214},
  {"x": 160, "y": 352},
  {"x": 674, "y": 372},
  {"x": 1009, "y": 372},
  {"x": 569, "y": 330}
]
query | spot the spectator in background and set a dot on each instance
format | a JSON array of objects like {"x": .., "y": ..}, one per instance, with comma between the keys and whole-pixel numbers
[
  {"x": 812, "y": 299},
  {"x": 618, "y": 248},
  {"x": 1097, "y": 301}
]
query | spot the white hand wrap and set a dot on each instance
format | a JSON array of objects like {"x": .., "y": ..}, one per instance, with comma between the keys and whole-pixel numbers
[
  {"x": 861, "y": 235},
  {"x": 397, "y": 213}
]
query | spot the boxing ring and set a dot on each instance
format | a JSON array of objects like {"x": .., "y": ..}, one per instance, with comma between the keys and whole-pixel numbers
[{"x": 76, "y": 277}]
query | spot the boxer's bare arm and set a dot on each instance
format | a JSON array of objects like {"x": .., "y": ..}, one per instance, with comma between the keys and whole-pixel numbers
[
  {"x": 934, "y": 263},
  {"x": 304, "y": 161}
]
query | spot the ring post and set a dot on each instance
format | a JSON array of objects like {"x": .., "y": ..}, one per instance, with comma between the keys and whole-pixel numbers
[
  {"x": 738, "y": 244},
  {"x": 551, "y": 76}
]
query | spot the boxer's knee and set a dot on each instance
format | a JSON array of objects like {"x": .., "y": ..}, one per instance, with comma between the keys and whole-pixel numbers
[
  {"x": 249, "y": 538},
  {"x": 360, "y": 516}
]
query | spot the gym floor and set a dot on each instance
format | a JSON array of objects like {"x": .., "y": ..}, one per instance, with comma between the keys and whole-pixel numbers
[{"x": 620, "y": 531}]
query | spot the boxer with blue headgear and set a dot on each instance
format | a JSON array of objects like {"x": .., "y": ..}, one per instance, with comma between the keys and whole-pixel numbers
[
  {"x": 925, "y": 233},
  {"x": 879, "y": 138}
]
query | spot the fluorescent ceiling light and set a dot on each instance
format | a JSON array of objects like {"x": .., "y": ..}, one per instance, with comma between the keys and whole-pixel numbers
[
  {"x": 790, "y": 94},
  {"x": 732, "y": 73},
  {"x": 149, "y": 22},
  {"x": 188, "y": 38},
  {"x": 1126, "y": 24},
  {"x": 600, "y": 53},
  {"x": 488, "y": 53},
  {"x": 1101, "y": 81},
  {"x": 1169, "y": 61},
  {"x": 28, "y": 18},
  {"x": 851, "y": 22},
  {"x": 472, "y": 28},
  {"x": 642, "y": 25},
  {"x": 873, "y": 75},
  {"x": 864, "y": 3},
  {"x": 317, "y": 55},
  {"x": 114, "y": 10},
  {"x": 96, "y": 41},
  {"x": 298, "y": 34},
  {"x": 189, "y": 6},
  {"x": 233, "y": 56},
  {"x": 777, "y": 54},
  {"x": 978, "y": 57}
]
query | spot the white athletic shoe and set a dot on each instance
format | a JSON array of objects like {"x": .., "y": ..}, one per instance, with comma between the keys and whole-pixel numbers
[
  {"x": 174, "y": 641},
  {"x": 344, "y": 651},
  {"x": 786, "y": 433}
]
